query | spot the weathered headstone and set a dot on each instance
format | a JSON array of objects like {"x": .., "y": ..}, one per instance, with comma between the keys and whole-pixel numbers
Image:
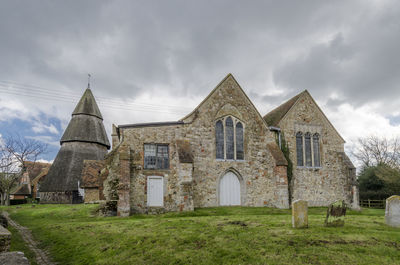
[
  {"x": 13, "y": 258},
  {"x": 392, "y": 212},
  {"x": 299, "y": 214},
  {"x": 335, "y": 214}
]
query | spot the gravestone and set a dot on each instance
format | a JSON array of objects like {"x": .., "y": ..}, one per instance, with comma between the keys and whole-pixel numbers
[
  {"x": 13, "y": 258},
  {"x": 335, "y": 214},
  {"x": 299, "y": 214},
  {"x": 392, "y": 211}
]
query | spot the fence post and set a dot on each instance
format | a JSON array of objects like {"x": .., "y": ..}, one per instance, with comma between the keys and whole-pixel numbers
[{"x": 369, "y": 203}]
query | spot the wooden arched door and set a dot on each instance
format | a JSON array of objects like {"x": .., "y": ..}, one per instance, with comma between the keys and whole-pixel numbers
[{"x": 229, "y": 190}]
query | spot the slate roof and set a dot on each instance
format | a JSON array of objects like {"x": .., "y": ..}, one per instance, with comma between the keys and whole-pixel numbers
[
  {"x": 86, "y": 124},
  {"x": 91, "y": 174},
  {"x": 275, "y": 116}
]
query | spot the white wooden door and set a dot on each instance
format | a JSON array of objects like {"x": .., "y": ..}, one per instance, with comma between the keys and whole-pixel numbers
[
  {"x": 229, "y": 190},
  {"x": 155, "y": 191}
]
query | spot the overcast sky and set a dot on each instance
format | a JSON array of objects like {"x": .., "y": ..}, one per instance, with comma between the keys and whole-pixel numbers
[{"x": 156, "y": 60}]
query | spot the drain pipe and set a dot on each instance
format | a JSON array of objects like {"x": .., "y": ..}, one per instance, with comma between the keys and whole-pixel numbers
[{"x": 278, "y": 130}]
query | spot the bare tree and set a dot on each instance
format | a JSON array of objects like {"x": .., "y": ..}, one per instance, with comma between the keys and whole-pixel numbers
[
  {"x": 373, "y": 151},
  {"x": 14, "y": 151}
]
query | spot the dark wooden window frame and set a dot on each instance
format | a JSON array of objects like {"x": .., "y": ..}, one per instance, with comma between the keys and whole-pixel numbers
[{"x": 160, "y": 159}]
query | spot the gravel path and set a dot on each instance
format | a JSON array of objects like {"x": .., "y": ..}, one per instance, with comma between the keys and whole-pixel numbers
[{"x": 41, "y": 257}]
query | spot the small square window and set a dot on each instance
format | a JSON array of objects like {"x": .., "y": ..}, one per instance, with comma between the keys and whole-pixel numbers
[{"x": 156, "y": 156}]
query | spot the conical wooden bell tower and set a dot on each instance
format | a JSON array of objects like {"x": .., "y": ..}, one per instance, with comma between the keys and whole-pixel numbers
[{"x": 84, "y": 139}]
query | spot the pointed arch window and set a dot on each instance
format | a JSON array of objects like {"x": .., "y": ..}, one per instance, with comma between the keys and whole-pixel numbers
[
  {"x": 230, "y": 145},
  {"x": 239, "y": 141},
  {"x": 308, "y": 150},
  {"x": 307, "y": 145},
  {"x": 229, "y": 139},
  {"x": 219, "y": 139},
  {"x": 316, "y": 153},
  {"x": 299, "y": 149}
]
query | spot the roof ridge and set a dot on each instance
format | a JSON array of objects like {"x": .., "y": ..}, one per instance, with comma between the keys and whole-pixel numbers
[{"x": 275, "y": 116}]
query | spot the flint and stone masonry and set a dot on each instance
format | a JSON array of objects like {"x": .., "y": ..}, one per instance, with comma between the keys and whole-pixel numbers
[
  {"x": 335, "y": 178},
  {"x": 195, "y": 177}
]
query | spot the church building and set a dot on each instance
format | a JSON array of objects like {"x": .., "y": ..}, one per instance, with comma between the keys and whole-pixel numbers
[{"x": 224, "y": 153}]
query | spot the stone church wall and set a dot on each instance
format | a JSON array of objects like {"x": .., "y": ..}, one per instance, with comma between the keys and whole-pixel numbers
[
  {"x": 173, "y": 188},
  {"x": 332, "y": 181},
  {"x": 255, "y": 172},
  {"x": 196, "y": 184}
]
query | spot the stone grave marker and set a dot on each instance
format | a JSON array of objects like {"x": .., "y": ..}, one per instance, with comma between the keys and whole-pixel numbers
[
  {"x": 335, "y": 214},
  {"x": 392, "y": 211},
  {"x": 299, "y": 214}
]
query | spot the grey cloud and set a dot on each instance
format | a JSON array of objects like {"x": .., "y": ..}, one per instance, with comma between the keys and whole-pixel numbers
[
  {"x": 361, "y": 63},
  {"x": 187, "y": 47}
]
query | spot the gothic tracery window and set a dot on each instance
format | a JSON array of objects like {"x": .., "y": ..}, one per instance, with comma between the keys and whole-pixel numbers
[
  {"x": 299, "y": 149},
  {"x": 219, "y": 140},
  {"x": 308, "y": 150},
  {"x": 307, "y": 145},
  {"x": 317, "y": 162},
  {"x": 230, "y": 145},
  {"x": 229, "y": 139},
  {"x": 239, "y": 141}
]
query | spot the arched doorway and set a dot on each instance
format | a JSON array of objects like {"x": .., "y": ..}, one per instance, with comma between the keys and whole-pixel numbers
[{"x": 229, "y": 190}]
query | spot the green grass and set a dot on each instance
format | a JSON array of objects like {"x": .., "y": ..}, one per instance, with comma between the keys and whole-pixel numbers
[
  {"x": 231, "y": 235},
  {"x": 18, "y": 244}
]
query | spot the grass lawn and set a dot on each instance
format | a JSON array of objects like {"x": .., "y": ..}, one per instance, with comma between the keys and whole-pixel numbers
[
  {"x": 228, "y": 235},
  {"x": 18, "y": 244}
]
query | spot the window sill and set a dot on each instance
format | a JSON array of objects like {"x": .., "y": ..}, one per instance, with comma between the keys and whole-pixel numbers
[
  {"x": 156, "y": 169},
  {"x": 315, "y": 168},
  {"x": 229, "y": 160}
]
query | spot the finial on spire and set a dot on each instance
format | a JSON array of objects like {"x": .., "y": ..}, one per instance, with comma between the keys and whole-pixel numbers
[{"x": 88, "y": 82}]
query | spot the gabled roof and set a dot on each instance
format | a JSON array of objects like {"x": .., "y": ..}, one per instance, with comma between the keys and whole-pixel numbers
[
  {"x": 42, "y": 174},
  {"x": 216, "y": 88},
  {"x": 87, "y": 105},
  {"x": 275, "y": 116},
  {"x": 35, "y": 168},
  {"x": 22, "y": 190}
]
